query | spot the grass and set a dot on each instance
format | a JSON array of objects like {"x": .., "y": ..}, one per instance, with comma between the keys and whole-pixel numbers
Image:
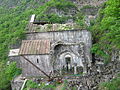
[{"x": 114, "y": 84}]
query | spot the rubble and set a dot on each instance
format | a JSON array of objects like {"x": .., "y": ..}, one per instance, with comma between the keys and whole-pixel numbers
[{"x": 91, "y": 80}]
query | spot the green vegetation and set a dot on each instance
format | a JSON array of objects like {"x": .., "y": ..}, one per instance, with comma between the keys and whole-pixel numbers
[
  {"x": 42, "y": 85},
  {"x": 13, "y": 21},
  {"x": 65, "y": 85},
  {"x": 6, "y": 74},
  {"x": 87, "y": 7},
  {"x": 106, "y": 34},
  {"x": 49, "y": 11},
  {"x": 106, "y": 30},
  {"x": 58, "y": 27},
  {"x": 114, "y": 84},
  {"x": 61, "y": 5},
  {"x": 80, "y": 20}
]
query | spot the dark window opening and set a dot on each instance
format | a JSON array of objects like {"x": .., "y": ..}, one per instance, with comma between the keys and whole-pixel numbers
[
  {"x": 37, "y": 60},
  {"x": 38, "y": 22}
]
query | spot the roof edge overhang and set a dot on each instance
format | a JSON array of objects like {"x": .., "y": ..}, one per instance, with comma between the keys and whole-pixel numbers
[{"x": 33, "y": 54}]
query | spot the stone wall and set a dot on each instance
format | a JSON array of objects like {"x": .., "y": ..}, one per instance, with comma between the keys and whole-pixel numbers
[
  {"x": 72, "y": 51},
  {"x": 75, "y": 37},
  {"x": 51, "y": 27},
  {"x": 17, "y": 83},
  {"x": 42, "y": 61},
  {"x": 70, "y": 36},
  {"x": 15, "y": 59}
]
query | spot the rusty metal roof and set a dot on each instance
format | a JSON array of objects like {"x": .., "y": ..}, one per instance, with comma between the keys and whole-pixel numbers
[{"x": 30, "y": 47}]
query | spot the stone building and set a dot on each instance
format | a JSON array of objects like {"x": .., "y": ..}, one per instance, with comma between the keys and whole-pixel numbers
[{"x": 55, "y": 48}]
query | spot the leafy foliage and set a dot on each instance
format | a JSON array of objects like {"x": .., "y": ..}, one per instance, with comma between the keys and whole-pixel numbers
[
  {"x": 106, "y": 30},
  {"x": 114, "y": 84},
  {"x": 13, "y": 21},
  {"x": 50, "y": 11},
  {"x": 6, "y": 74},
  {"x": 31, "y": 84},
  {"x": 61, "y": 4}
]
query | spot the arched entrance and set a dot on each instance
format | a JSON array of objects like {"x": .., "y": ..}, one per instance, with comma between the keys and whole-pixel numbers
[
  {"x": 65, "y": 59},
  {"x": 68, "y": 62}
]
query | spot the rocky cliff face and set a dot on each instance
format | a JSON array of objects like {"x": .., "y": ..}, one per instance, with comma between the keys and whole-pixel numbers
[
  {"x": 29, "y": 3},
  {"x": 87, "y": 7},
  {"x": 82, "y": 3},
  {"x": 26, "y": 3}
]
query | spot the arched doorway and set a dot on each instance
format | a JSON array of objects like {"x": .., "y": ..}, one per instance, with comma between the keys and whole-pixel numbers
[
  {"x": 68, "y": 63},
  {"x": 65, "y": 62}
]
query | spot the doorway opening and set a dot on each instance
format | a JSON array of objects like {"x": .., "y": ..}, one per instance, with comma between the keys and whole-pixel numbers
[
  {"x": 68, "y": 63},
  {"x": 68, "y": 60}
]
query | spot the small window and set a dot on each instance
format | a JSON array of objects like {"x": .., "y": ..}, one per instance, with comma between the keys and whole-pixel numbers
[{"x": 37, "y": 60}]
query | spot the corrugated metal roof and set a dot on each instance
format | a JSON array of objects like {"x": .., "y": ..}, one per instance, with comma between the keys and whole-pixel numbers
[{"x": 35, "y": 47}]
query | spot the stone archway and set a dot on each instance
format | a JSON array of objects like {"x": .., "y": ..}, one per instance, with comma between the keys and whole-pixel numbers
[
  {"x": 65, "y": 58},
  {"x": 68, "y": 63}
]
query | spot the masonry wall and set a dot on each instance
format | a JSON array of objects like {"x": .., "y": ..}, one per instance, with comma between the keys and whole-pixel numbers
[
  {"x": 68, "y": 36},
  {"x": 15, "y": 59},
  {"x": 71, "y": 36},
  {"x": 42, "y": 61}
]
